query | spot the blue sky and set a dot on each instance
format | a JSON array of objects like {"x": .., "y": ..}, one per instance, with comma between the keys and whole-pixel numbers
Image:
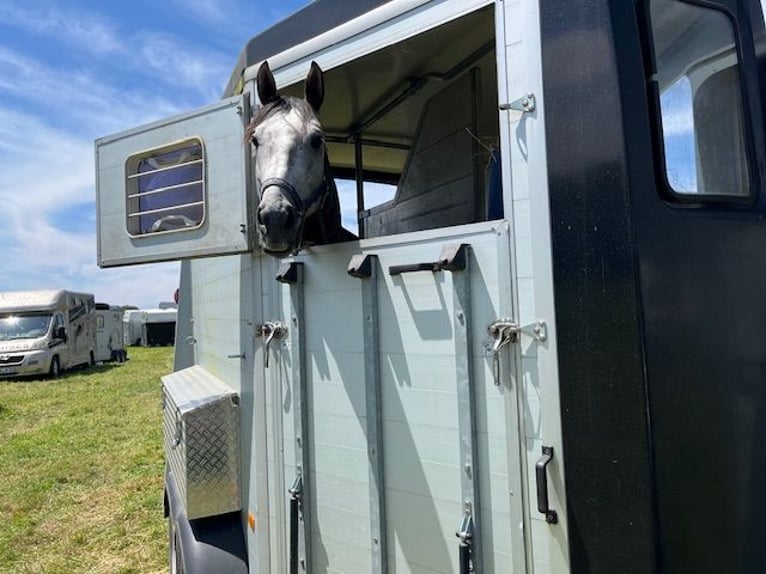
[{"x": 74, "y": 71}]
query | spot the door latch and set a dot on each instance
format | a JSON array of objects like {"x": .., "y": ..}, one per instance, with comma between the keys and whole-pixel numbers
[
  {"x": 505, "y": 331},
  {"x": 269, "y": 330}
]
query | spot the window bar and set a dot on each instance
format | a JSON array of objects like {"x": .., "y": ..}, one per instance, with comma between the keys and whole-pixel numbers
[
  {"x": 166, "y": 168},
  {"x": 166, "y": 188},
  {"x": 165, "y": 209}
]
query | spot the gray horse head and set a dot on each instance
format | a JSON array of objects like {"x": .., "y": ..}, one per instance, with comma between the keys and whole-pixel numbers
[{"x": 290, "y": 161}]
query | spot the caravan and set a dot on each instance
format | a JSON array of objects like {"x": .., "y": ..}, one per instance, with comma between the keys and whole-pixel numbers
[
  {"x": 46, "y": 332},
  {"x": 110, "y": 344},
  {"x": 549, "y": 341}
]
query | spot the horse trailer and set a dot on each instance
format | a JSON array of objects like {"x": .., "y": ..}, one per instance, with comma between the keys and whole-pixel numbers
[
  {"x": 46, "y": 332},
  {"x": 150, "y": 327},
  {"x": 546, "y": 350},
  {"x": 110, "y": 338}
]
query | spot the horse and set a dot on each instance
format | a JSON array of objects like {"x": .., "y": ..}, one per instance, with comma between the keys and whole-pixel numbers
[{"x": 299, "y": 203}]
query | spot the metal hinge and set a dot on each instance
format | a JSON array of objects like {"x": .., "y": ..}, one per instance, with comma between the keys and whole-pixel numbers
[{"x": 525, "y": 103}]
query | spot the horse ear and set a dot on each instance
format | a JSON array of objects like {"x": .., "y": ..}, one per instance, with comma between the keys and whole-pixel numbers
[
  {"x": 267, "y": 87},
  {"x": 315, "y": 87}
]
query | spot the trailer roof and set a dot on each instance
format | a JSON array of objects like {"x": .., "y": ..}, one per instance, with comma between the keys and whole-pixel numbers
[{"x": 312, "y": 20}]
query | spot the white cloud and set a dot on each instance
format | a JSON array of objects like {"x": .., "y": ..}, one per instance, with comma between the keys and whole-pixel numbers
[
  {"x": 168, "y": 58},
  {"x": 87, "y": 31},
  {"x": 206, "y": 11}
]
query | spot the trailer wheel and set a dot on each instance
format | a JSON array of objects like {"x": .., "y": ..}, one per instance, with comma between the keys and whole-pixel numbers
[
  {"x": 55, "y": 369},
  {"x": 92, "y": 360}
]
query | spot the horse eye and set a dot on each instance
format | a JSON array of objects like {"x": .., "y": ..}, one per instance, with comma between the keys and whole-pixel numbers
[{"x": 316, "y": 141}]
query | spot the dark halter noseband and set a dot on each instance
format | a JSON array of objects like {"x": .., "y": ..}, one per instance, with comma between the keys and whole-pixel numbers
[{"x": 317, "y": 197}]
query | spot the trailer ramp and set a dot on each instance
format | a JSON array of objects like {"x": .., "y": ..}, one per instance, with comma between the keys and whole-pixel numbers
[{"x": 393, "y": 427}]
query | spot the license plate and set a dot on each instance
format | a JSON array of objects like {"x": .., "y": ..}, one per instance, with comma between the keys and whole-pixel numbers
[{"x": 7, "y": 371}]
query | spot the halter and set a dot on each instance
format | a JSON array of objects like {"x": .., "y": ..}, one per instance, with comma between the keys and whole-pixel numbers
[{"x": 316, "y": 197}]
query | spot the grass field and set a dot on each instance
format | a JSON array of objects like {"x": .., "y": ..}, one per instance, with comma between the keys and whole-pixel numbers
[{"x": 81, "y": 470}]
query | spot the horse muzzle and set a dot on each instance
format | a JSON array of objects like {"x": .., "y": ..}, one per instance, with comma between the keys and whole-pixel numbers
[{"x": 280, "y": 219}]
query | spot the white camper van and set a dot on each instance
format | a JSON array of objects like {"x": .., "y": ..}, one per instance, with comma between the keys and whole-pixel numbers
[
  {"x": 45, "y": 332},
  {"x": 545, "y": 354},
  {"x": 110, "y": 340}
]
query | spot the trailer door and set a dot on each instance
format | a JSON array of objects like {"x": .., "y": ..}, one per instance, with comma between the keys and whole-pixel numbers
[
  {"x": 396, "y": 420},
  {"x": 175, "y": 188}
]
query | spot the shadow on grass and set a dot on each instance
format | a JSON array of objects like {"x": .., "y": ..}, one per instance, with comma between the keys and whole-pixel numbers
[{"x": 79, "y": 371}]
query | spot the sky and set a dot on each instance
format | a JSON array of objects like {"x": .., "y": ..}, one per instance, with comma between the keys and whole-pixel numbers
[{"x": 75, "y": 71}]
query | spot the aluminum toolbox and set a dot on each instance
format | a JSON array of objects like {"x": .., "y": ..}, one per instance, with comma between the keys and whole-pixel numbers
[{"x": 202, "y": 446}]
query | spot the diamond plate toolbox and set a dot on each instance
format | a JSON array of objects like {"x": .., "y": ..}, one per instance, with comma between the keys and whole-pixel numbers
[{"x": 202, "y": 447}]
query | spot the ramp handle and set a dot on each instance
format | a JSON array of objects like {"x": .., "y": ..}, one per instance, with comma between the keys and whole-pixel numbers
[
  {"x": 452, "y": 258},
  {"x": 541, "y": 476}
]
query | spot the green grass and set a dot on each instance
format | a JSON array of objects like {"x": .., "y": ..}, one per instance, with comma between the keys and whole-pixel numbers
[{"x": 81, "y": 470}]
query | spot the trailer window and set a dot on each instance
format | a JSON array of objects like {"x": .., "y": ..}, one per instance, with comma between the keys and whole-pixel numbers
[
  {"x": 701, "y": 107},
  {"x": 166, "y": 189}
]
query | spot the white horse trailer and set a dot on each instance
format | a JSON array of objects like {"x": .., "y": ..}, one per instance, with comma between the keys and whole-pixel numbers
[
  {"x": 150, "y": 327},
  {"x": 110, "y": 339},
  {"x": 131, "y": 327},
  {"x": 546, "y": 353},
  {"x": 46, "y": 332}
]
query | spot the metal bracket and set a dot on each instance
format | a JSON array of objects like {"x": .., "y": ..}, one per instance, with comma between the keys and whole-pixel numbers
[
  {"x": 288, "y": 272},
  {"x": 525, "y": 103}
]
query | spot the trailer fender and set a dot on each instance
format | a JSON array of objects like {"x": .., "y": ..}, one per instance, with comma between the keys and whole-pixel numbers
[{"x": 214, "y": 545}]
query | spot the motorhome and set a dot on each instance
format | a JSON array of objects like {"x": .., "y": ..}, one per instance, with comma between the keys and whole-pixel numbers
[
  {"x": 110, "y": 339},
  {"x": 545, "y": 353},
  {"x": 46, "y": 332}
]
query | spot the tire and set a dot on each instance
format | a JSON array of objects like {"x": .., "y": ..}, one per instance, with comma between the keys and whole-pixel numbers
[
  {"x": 175, "y": 554},
  {"x": 92, "y": 359},
  {"x": 54, "y": 372}
]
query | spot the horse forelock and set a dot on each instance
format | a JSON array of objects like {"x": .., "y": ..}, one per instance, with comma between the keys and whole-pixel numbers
[{"x": 281, "y": 105}]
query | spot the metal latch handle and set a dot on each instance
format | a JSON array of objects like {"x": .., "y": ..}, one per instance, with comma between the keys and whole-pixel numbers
[
  {"x": 541, "y": 476},
  {"x": 296, "y": 494},
  {"x": 269, "y": 330},
  {"x": 465, "y": 536}
]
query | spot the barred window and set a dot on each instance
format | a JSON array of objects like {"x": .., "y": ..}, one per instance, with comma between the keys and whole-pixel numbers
[{"x": 166, "y": 188}]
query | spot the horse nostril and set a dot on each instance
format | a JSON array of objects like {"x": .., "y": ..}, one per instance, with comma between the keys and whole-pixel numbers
[{"x": 276, "y": 219}]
